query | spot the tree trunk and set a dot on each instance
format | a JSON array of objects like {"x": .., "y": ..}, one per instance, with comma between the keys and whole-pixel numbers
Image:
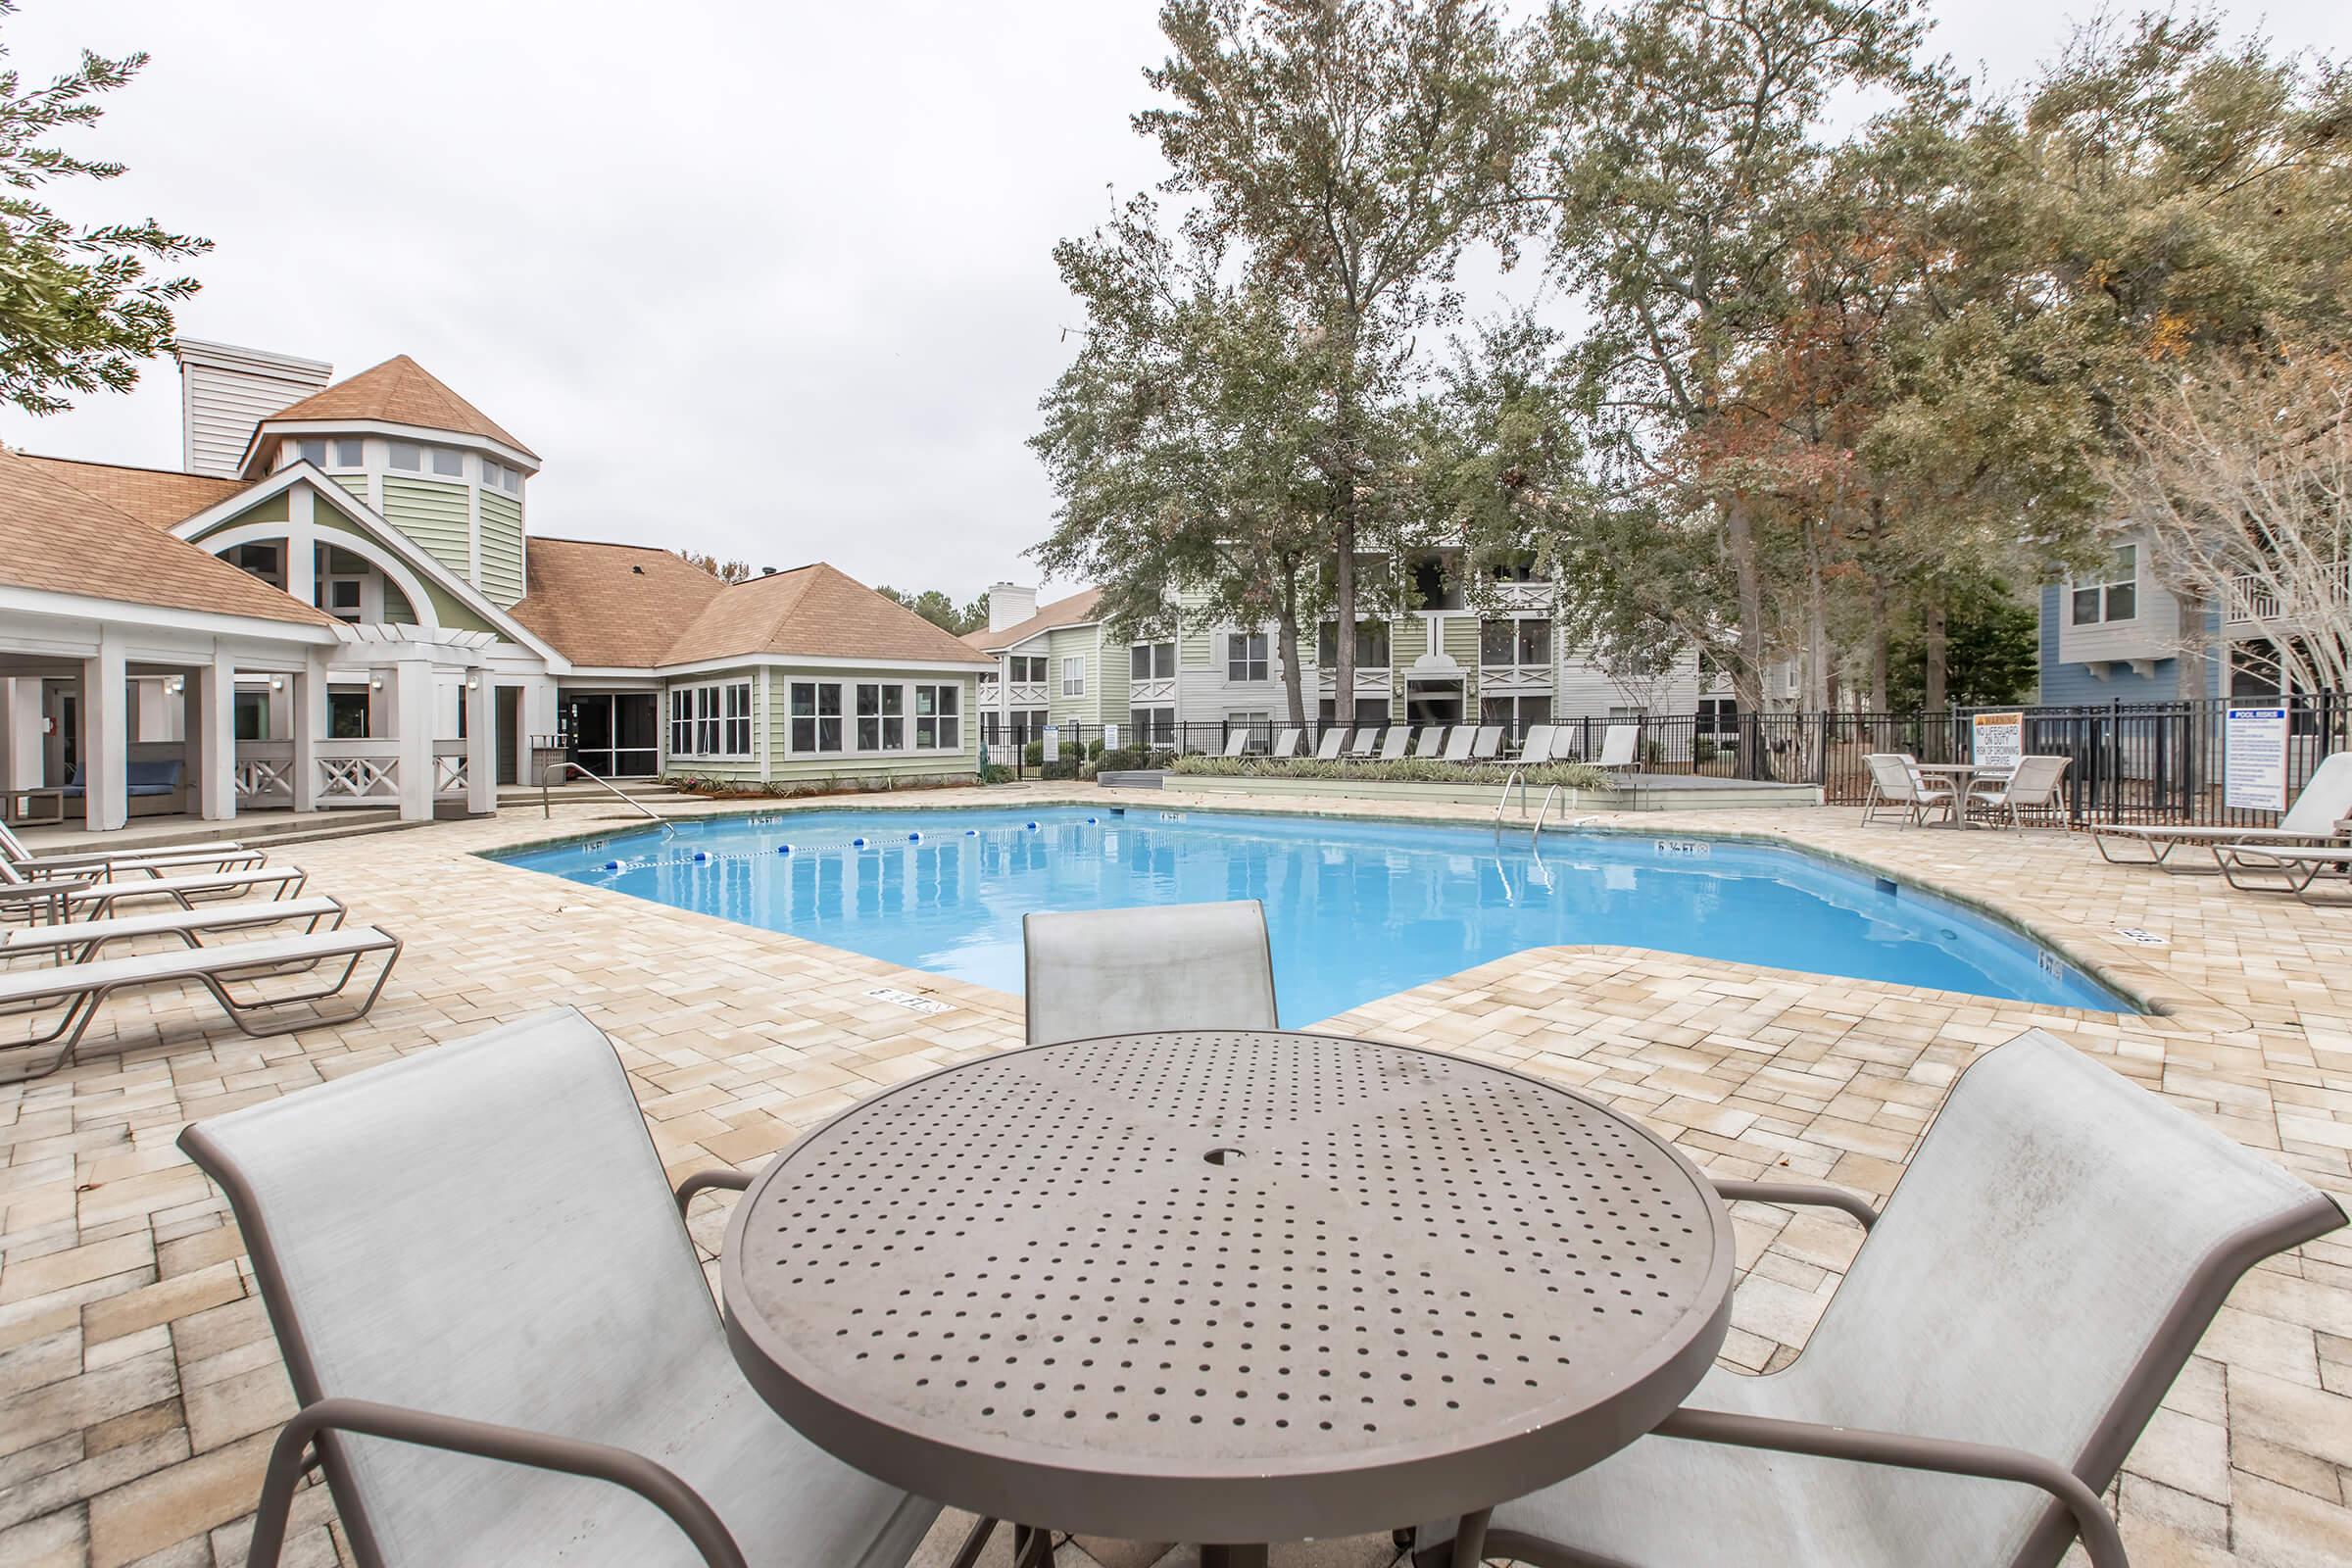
[
  {"x": 2189, "y": 665},
  {"x": 1747, "y": 672},
  {"x": 1880, "y": 635},
  {"x": 1937, "y": 652},
  {"x": 1817, "y": 630},
  {"x": 1286, "y": 634},
  {"x": 1343, "y": 686}
]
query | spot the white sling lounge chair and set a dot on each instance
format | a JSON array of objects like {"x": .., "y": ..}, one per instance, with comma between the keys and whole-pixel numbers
[
  {"x": 1237, "y": 743},
  {"x": 1487, "y": 746},
  {"x": 2317, "y": 816},
  {"x": 1538, "y": 749},
  {"x": 79, "y": 941},
  {"x": 1366, "y": 742},
  {"x": 1459, "y": 744},
  {"x": 1394, "y": 744},
  {"x": 1894, "y": 787},
  {"x": 83, "y": 987},
  {"x": 2284, "y": 867},
  {"x": 1169, "y": 966},
  {"x": 99, "y": 864},
  {"x": 2036, "y": 1281},
  {"x": 548, "y": 1312},
  {"x": 1327, "y": 749},
  {"x": 2032, "y": 787},
  {"x": 1431, "y": 742},
  {"x": 87, "y": 900},
  {"x": 1618, "y": 744},
  {"x": 1286, "y": 746}
]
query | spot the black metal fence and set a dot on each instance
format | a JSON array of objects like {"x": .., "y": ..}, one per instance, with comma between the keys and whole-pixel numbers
[{"x": 2126, "y": 761}]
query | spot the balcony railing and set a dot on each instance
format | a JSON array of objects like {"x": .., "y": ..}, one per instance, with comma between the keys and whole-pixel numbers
[
  {"x": 349, "y": 773},
  {"x": 2254, "y": 597}
]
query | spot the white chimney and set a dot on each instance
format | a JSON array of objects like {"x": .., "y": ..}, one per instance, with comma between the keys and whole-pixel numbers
[
  {"x": 225, "y": 391},
  {"x": 1010, "y": 603}
]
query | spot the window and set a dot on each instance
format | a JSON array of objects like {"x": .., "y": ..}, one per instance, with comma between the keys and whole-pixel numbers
[
  {"x": 312, "y": 451},
  {"x": 448, "y": 461},
  {"x": 881, "y": 716},
  {"x": 710, "y": 720},
  {"x": 1514, "y": 642},
  {"x": 350, "y": 453},
  {"x": 252, "y": 716},
  {"x": 1028, "y": 723},
  {"x": 407, "y": 454},
  {"x": 1718, "y": 715},
  {"x": 1153, "y": 726},
  {"x": 1429, "y": 585},
  {"x": 1516, "y": 714},
  {"x": 1029, "y": 672},
  {"x": 1369, "y": 710},
  {"x": 347, "y": 715},
  {"x": 1371, "y": 644},
  {"x": 938, "y": 718},
  {"x": 1152, "y": 662},
  {"x": 502, "y": 476},
  {"x": 816, "y": 715},
  {"x": 2117, "y": 597},
  {"x": 1246, "y": 656},
  {"x": 258, "y": 560},
  {"x": 1073, "y": 676}
]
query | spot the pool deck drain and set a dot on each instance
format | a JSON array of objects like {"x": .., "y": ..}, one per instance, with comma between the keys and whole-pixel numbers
[{"x": 139, "y": 1386}]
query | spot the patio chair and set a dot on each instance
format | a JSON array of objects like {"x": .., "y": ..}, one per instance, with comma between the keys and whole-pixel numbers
[
  {"x": 1537, "y": 749},
  {"x": 1237, "y": 744},
  {"x": 1432, "y": 741},
  {"x": 1168, "y": 966},
  {"x": 79, "y": 941},
  {"x": 1366, "y": 742},
  {"x": 1459, "y": 744},
  {"x": 1327, "y": 749},
  {"x": 2318, "y": 816},
  {"x": 1487, "y": 745},
  {"x": 1392, "y": 745},
  {"x": 2036, "y": 1281},
  {"x": 225, "y": 856},
  {"x": 1286, "y": 746},
  {"x": 84, "y": 987},
  {"x": 2284, "y": 867},
  {"x": 2032, "y": 787},
  {"x": 1618, "y": 745},
  {"x": 89, "y": 897},
  {"x": 1893, "y": 787},
  {"x": 472, "y": 1255}
]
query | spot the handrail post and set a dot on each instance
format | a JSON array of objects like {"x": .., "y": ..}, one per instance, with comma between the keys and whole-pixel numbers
[{"x": 668, "y": 828}]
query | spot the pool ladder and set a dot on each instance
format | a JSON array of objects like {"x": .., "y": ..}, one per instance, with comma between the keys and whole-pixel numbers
[
  {"x": 668, "y": 828},
  {"x": 1518, "y": 776}
]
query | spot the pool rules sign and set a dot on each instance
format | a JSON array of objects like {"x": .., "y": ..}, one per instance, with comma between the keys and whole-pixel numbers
[{"x": 2254, "y": 759}]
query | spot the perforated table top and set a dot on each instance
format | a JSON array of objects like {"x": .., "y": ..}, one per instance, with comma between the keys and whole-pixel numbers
[{"x": 1226, "y": 1286}]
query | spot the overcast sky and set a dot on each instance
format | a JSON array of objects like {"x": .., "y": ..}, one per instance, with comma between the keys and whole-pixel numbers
[{"x": 767, "y": 280}]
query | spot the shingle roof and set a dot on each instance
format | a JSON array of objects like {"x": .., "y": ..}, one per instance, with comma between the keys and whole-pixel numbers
[
  {"x": 633, "y": 607},
  {"x": 57, "y": 538},
  {"x": 398, "y": 391},
  {"x": 1075, "y": 611},
  {"x": 157, "y": 496},
  {"x": 610, "y": 606},
  {"x": 818, "y": 612}
]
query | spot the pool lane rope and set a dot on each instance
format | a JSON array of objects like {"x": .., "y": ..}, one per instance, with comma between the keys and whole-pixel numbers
[{"x": 857, "y": 841}]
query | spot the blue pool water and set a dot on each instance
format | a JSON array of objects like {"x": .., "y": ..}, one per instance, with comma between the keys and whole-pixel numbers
[{"x": 1356, "y": 909}]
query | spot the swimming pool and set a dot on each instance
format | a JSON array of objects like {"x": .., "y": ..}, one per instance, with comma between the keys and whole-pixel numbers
[{"x": 1356, "y": 909}]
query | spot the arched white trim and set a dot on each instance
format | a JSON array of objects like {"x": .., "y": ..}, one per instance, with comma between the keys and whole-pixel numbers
[{"x": 384, "y": 561}]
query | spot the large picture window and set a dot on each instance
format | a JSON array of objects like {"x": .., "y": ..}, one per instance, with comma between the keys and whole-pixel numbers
[
  {"x": 1371, "y": 644},
  {"x": 939, "y": 719},
  {"x": 1524, "y": 643},
  {"x": 881, "y": 716},
  {"x": 1153, "y": 726},
  {"x": 816, "y": 715},
  {"x": 2116, "y": 597},
  {"x": 713, "y": 721},
  {"x": 1152, "y": 662},
  {"x": 1246, "y": 656}
]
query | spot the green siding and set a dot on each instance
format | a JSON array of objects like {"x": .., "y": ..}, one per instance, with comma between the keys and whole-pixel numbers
[
  {"x": 273, "y": 510},
  {"x": 1073, "y": 642},
  {"x": 398, "y": 612},
  {"x": 1408, "y": 641},
  {"x": 783, "y": 769},
  {"x": 1111, "y": 705},
  {"x": 446, "y": 606},
  {"x": 501, "y": 549},
  {"x": 354, "y": 484},
  {"x": 434, "y": 516},
  {"x": 1461, "y": 646}
]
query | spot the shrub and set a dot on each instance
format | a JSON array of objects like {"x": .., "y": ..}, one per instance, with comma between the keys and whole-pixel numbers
[
  {"x": 1094, "y": 750},
  {"x": 1034, "y": 753},
  {"x": 1406, "y": 771},
  {"x": 996, "y": 774}
]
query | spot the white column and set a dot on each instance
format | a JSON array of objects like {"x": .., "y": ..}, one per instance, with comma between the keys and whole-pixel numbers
[
  {"x": 211, "y": 731},
  {"x": 413, "y": 728},
  {"x": 105, "y": 738},
  {"x": 302, "y": 541},
  {"x": 305, "y": 692},
  {"x": 20, "y": 733},
  {"x": 481, "y": 744}
]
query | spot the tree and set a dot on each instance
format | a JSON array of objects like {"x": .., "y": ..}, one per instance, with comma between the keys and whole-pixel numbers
[
  {"x": 1346, "y": 153},
  {"x": 941, "y": 612},
  {"x": 729, "y": 571},
  {"x": 2242, "y": 474},
  {"x": 1993, "y": 650},
  {"x": 79, "y": 312}
]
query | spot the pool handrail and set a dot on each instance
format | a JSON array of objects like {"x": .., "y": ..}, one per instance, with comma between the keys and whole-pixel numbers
[{"x": 669, "y": 829}]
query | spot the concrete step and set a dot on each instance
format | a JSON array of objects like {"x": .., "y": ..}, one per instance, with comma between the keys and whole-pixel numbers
[{"x": 266, "y": 829}]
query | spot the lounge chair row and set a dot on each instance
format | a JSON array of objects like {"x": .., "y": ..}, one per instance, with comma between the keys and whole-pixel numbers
[
  {"x": 62, "y": 915},
  {"x": 1456, "y": 742}
]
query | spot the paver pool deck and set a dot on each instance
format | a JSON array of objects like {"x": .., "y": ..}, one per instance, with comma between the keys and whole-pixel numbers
[{"x": 140, "y": 1388}]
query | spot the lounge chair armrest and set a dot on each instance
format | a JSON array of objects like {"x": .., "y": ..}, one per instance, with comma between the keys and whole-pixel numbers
[
  {"x": 702, "y": 1181},
  {"x": 1810, "y": 1194},
  {"x": 487, "y": 1441},
  {"x": 2100, "y": 1539},
  {"x": 43, "y": 890}
]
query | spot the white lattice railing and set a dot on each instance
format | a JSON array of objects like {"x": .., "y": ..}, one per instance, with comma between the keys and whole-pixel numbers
[
  {"x": 450, "y": 770},
  {"x": 264, "y": 772}
]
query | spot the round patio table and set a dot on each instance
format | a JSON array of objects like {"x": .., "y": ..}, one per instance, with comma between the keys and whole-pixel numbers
[
  {"x": 1962, "y": 777},
  {"x": 1225, "y": 1287}
]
